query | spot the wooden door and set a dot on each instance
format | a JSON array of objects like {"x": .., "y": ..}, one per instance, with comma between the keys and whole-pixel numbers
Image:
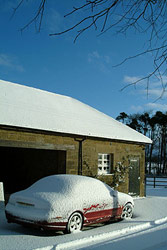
[{"x": 134, "y": 176}]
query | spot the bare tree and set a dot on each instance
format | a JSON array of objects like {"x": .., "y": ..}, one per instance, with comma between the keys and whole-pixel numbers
[{"x": 144, "y": 16}]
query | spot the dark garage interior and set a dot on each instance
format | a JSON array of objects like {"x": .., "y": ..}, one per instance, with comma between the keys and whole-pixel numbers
[{"x": 23, "y": 166}]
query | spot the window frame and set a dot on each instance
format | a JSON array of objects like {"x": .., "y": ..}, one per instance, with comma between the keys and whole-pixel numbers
[{"x": 105, "y": 162}]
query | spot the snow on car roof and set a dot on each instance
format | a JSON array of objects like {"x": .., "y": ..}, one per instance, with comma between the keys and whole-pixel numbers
[
  {"x": 65, "y": 183},
  {"x": 27, "y": 107},
  {"x": 53, "y": 187}
]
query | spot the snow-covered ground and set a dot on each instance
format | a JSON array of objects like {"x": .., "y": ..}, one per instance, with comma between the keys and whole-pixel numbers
[{"x": 146, "y": 230}]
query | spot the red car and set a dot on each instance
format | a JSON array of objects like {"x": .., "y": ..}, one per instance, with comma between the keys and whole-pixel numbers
[{"x": 67, "y": 203}]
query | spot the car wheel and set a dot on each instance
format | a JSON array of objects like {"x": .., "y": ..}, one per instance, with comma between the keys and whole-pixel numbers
[
  {"x": 75, "y": 223},
  {"x": 127, "y": 211}
]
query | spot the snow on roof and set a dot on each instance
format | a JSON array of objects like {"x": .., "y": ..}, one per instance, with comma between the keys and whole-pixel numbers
[{"x": 27, "y": 107}]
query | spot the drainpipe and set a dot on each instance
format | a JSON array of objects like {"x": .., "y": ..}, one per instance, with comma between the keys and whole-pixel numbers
[{"x": 80, "y": 140}]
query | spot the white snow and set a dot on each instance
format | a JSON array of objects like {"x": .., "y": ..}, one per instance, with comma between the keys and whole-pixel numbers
[
  {"x": 146, "y": 230},
  {"x": 46, "y": 197},
  {"x": 28, "y": 107}
]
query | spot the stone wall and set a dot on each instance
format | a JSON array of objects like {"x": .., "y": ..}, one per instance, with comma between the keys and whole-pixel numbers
[
  {"x": 90, "y": 149},
  {"x": 122, "y": 152}
]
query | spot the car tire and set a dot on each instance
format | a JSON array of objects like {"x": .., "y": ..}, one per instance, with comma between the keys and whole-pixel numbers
[
  {"x": 75, "y": 223},
  {"x": 127, "y": 211}
]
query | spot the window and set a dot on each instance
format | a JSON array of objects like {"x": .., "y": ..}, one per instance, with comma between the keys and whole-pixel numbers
[{"x": 105, "y": 162}]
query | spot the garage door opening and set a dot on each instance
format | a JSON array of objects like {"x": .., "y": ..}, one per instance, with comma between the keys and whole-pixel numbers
[{"x": 21, "y": 167}]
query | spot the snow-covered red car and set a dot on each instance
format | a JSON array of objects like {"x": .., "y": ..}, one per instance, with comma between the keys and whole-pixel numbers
[{"x": 67, "y": 203}]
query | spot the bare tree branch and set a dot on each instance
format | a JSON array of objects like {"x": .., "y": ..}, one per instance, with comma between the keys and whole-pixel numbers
[
  {"x": 144, "y": 16},
  {"x": 38, "y": 16}
]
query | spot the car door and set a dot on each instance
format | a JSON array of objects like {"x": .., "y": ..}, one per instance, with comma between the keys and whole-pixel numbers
[{"x": 102, "y": 209}]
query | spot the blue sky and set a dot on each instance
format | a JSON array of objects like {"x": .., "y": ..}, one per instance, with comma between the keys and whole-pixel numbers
[{"x": 83, "y": 70}]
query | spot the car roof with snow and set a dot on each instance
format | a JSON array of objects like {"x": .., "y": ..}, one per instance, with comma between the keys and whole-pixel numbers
[
  {"x": 66, "y": 183},
  {"x": 27, "y": 107},
  {"x": 66, "y": 187}
]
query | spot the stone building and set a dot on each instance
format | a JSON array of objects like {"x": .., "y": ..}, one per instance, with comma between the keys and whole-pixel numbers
[{"x": 43, "y": 133}]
